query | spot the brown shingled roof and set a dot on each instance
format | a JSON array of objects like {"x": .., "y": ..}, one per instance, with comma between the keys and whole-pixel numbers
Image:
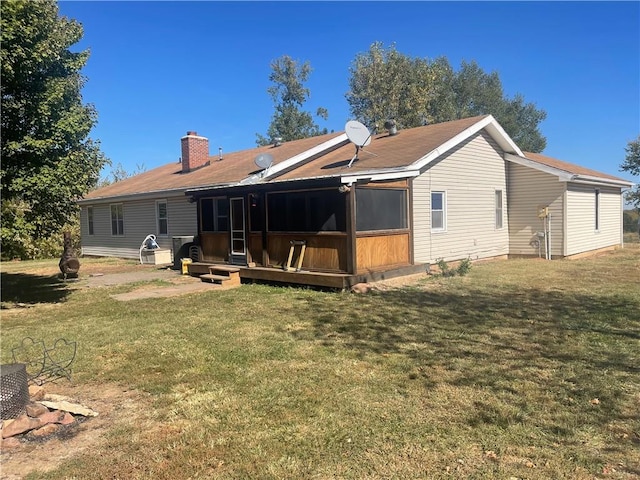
[
  {"x": 231, "y": 169},
  {"x": 384, "y": 151},
  {"x": 568, "y": 167}
]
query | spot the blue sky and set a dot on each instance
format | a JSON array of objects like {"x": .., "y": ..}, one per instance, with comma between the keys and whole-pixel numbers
[{"x": 160, "y": 68}]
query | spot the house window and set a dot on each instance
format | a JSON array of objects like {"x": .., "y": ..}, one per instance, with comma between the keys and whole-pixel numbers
[
  {"x": 597, "y": 211},
  {"x": 117, "y": 219},
  {"x": 438, "y": 211},
  {"x": 214, "y": 215},
  {"x": 380, "y": 209},
  {"x": 162, "y": 217},
  {"x": 498, "y": 202},
  {"x": 90, "y": 219},
  {"x": 310, "y": 211}
]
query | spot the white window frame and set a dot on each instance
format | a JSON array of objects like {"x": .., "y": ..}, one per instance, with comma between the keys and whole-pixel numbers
[
  {"x": 498, "y": 199},
  {"x": 90, "y": 221},
  {"x": 597, "y": 209},
  {"x": 119, "y": 221},
  {"x": 159, "y": 219},
  {"x": 443, "y": 228}
]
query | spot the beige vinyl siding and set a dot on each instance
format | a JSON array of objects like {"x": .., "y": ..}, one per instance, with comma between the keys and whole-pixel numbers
[
  {"x": 469, "y": 176},
  {"x": 528, "y": 190},
  {"x": 581, "y": 233},
  {"x": 139, "y": 221}
]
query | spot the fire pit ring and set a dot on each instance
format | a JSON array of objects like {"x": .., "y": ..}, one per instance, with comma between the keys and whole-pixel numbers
[{"x": 14, "y": 390}]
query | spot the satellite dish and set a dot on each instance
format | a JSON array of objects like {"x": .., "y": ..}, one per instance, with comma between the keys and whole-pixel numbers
[
  {"x": 264, "y": 160},
  {"x": 357, "y": 133}
]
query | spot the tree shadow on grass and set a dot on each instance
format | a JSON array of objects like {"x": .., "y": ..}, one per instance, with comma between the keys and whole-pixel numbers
[
  {"x": 529, "y": 322},
  {"x": 22, "y": 288},
  {"x": 569, "y": 347}
]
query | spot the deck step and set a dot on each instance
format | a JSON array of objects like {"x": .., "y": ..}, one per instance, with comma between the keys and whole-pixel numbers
[
  {"x": 223, "y": 268},
  {"x": 221, "y": 279}
]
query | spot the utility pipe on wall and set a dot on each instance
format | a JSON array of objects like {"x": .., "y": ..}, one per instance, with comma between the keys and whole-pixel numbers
[{"x": 549, "y": 237}]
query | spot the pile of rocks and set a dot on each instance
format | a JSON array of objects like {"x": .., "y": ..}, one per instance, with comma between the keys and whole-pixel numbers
[{"x": 46, "y": 415}]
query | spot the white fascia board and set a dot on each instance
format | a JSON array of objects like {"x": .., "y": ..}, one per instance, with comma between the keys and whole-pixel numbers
[
  {"x": 301, "y": 157},
  {"x": 563, "y": 176},
  {"x": 378, "y": 176},
  {"x": 588, "y": 179},
  {"x": 133, "y": 196},
  {"x": 493, "y": 128},
  {"x": 501, "y": 137}
]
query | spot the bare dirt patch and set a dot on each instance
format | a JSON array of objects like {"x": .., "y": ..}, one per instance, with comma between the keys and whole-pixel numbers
[
  {"x": 114, "y": 405},
  {"x": 399, "y": 282}
]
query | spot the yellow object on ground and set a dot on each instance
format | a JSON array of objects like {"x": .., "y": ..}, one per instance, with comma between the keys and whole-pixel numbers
[{"x": 185, "y": 265}]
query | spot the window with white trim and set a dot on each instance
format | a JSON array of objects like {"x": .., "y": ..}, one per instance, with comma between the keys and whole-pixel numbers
[
  {"x": 162, "y": 217},
  {"x": 117, "y": 219},
  {"x": 438, "y": 211},
  {"x": 498, "y": 205},
  {"x": 90, "y": 220},
  {"x": 597, "y": 209}
]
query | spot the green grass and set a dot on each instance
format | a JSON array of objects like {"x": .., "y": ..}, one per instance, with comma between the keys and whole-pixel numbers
[{"x": 493, "y": 375}]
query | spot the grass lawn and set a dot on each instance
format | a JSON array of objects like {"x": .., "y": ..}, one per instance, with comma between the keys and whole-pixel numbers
[{"x": 521, "y": 369}]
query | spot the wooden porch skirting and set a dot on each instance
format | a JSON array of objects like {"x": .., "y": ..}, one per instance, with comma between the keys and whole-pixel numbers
[{"x": 315, "y": 279}]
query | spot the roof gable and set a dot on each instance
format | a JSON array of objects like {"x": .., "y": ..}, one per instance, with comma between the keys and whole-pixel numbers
[{"x": 402, "y": 154}]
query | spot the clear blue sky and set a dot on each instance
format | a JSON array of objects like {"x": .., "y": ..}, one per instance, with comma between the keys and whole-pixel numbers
[{"x": 158, "y": 69}]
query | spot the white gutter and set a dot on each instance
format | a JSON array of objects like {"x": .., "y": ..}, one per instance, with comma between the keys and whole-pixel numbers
[
  {"x": 301, "y": 157},
  {"x": 601, "y": 181},
  {"x": 133, "y": 196},
  {"x": 562, "y": 175},
  {"x": 376, "y": 176}
]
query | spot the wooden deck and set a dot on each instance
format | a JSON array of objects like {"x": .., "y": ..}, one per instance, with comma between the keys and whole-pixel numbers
[{"x": 315, "y": 279}]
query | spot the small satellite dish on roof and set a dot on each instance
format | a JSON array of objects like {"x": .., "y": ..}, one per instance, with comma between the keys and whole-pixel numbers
[
  {"x": 359, "y": 135},
  {"x": 264, "y": 160}
]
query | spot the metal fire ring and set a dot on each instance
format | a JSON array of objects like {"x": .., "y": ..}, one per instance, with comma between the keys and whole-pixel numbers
[{"x": 14, "y": 390}]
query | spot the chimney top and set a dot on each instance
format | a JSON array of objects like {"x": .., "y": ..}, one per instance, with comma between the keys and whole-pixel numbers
[{"x": 195, "y": 151}]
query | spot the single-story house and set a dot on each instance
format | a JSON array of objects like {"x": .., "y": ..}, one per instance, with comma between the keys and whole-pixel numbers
[{"x": 454, "y": 190}]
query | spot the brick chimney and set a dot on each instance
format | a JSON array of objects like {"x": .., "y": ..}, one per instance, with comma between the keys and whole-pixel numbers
[{"x": 195, "y": 151}]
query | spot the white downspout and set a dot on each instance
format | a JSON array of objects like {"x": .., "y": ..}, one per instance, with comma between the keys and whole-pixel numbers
[{"x": 549, "y": 236}]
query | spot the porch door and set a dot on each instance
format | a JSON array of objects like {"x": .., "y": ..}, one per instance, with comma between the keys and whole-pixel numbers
[{"x": 238, "y": 240}]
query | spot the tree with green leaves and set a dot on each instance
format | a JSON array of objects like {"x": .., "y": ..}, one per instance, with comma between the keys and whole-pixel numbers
[
  {"x": 48, "y": 159},
  {"x": 119, "y": 173},
  {"x": 631, "y": 164},
  {"x": 386, "y": 84},
  {"x": 290, "y": 122}
]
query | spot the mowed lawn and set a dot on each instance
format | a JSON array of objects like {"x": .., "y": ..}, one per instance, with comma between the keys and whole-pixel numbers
[{"x": 523, "y": 369}]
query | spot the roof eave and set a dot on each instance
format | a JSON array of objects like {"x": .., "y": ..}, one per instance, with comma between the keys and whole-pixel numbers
[
  {"x": 175, "y": 192},
  {"x": 296, "y": 160},
  {"x": 564, "y": 176},
  {"x": 373, "y": 175},
  {"x": 588, "y": 179}
]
